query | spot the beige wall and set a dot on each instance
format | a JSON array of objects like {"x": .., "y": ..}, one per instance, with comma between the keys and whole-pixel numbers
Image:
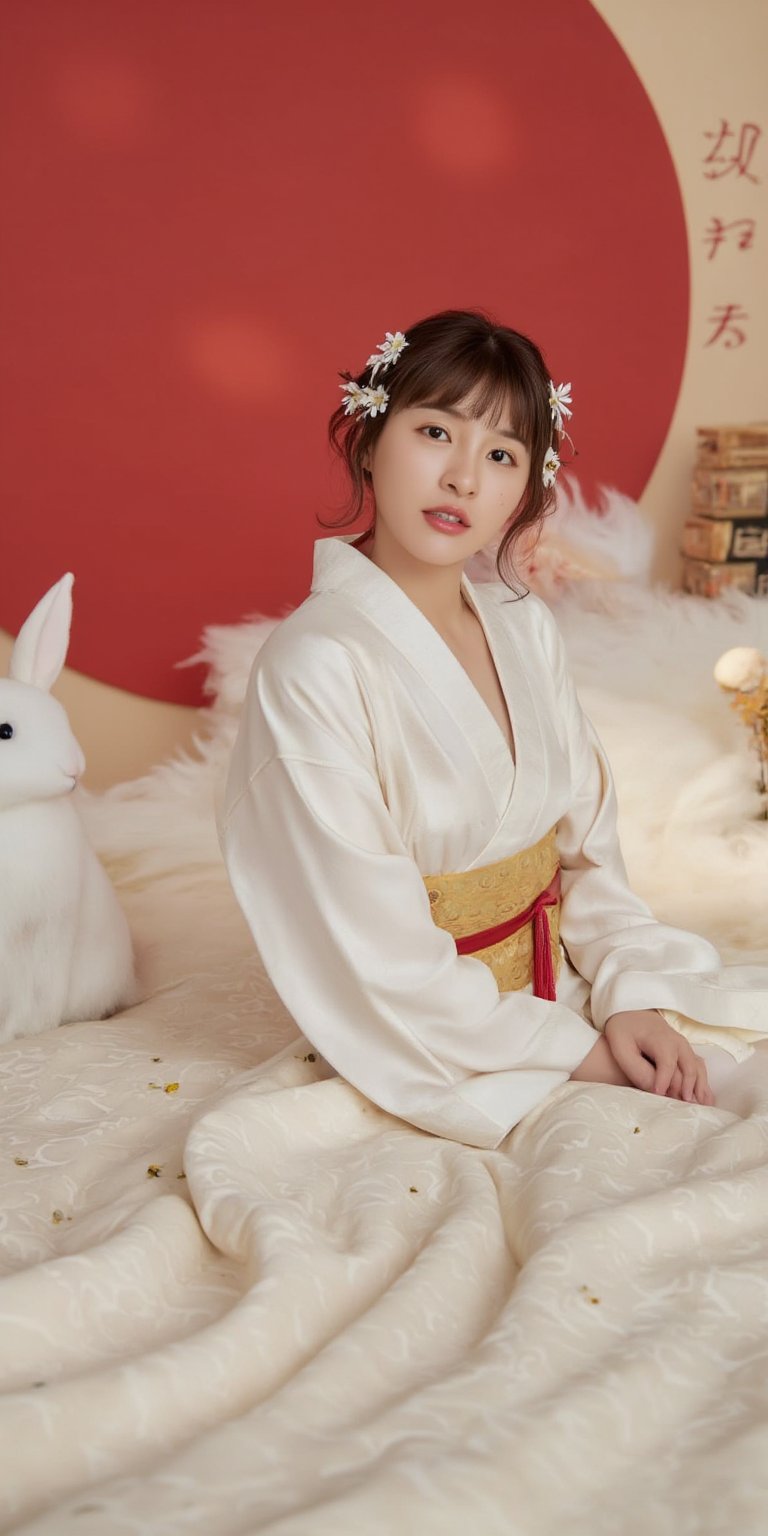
[{"x": 700, "y": 61}]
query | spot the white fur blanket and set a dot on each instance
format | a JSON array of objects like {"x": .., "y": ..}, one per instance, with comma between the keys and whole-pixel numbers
[{"x": 237, "y": 1300}]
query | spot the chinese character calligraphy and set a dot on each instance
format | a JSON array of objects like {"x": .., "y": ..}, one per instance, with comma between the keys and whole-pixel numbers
[
  {"x": 717, "y": 234},
  {"x": 725, "y": 328},
  {"x": 731, "y": 153},
  {"x": 722, "y": 164}
]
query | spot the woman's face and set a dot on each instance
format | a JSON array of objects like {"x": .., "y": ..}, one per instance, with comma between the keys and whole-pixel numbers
[{"x": 427, "y": 457}]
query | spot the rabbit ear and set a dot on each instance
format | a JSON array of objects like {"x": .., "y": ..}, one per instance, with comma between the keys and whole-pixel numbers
[{"x": 41, "y": 644}]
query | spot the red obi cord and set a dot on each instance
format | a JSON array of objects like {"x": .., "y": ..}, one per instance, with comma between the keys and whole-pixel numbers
[{"x": 543, "y": 974}]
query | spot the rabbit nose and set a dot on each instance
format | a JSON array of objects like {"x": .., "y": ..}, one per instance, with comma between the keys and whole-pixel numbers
[{"x": 74, "y": 765}]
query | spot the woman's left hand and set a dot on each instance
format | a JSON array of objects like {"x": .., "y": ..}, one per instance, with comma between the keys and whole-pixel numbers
[{"x": 673, "y": 1069}]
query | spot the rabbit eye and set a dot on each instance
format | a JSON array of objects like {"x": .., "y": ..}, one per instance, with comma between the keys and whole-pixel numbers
[{"x": 6, "y": 731}]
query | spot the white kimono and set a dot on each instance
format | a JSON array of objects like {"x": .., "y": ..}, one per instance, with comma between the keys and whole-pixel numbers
[{"x": 367, "y": 759}]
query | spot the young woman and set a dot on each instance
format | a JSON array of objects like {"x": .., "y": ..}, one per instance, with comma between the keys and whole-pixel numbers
[{"x": 420, "y": 820}]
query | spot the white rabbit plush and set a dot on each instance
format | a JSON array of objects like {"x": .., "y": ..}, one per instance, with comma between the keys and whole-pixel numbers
[{"x": 65, "y": 945}]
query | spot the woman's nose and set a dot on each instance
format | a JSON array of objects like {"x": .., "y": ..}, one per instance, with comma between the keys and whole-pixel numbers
[{"x": 461, "y": 476}]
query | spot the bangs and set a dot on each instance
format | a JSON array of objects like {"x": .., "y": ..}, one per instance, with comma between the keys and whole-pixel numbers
[{"x": 499, "y": 392}]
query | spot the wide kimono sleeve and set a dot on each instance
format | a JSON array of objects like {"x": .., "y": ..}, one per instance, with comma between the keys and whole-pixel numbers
[
  {"x": 340, "y": 915},
  {"x": 610, "y": 934}
]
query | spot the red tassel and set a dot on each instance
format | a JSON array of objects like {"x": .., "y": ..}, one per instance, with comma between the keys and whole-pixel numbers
[{"x": 543, "y": 973}]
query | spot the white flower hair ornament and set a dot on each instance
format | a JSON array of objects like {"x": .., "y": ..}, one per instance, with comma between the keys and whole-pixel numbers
[
  {"x": 560, "y": 399},
  {"x": 551, "y": 466},
  {"x": 373, "y": 401}
]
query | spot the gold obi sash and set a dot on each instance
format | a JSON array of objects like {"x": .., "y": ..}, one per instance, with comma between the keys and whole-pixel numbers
[{"x": 508, "y": 915}]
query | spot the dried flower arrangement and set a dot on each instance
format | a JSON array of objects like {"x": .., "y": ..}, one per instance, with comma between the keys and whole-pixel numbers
[{"x": 744, "y": 671}]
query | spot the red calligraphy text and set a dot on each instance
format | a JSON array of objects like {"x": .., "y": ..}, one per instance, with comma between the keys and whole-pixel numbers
[
  {"x": 717, "y": 232},
  {"x": 725, "y": 328},
  {"x": 724, "y": 159}
]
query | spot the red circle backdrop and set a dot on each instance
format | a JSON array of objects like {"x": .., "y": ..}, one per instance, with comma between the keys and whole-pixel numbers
[{"x": 211, "y": 210}]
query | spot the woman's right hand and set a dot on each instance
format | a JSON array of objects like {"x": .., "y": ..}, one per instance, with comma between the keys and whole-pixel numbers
[
  {"x": 657, "y": 1057},
  {"x": 600, "y": 1066}
]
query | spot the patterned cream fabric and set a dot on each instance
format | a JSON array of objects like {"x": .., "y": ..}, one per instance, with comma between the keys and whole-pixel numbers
[{"x": 254, "y": 1302}]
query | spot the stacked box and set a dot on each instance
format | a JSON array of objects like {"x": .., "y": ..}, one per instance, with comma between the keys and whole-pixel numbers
[
  {"x": 733, "y": 447},
  {"x": 725, "y": 539}
]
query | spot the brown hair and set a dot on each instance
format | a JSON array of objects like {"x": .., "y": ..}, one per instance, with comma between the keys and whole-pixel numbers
[{"x": 447, "y": 357}]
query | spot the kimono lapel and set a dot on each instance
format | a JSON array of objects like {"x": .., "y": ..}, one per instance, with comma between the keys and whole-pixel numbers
[{"x": 343, "y": 569}]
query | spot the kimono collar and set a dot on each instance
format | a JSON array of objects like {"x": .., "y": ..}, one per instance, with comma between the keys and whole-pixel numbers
[
  {"x": 338, "y": 566},
  {"x": 343, "y": 570}
]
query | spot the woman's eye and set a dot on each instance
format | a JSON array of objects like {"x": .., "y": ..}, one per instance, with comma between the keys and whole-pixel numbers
[{"x": 434, "y": 428}]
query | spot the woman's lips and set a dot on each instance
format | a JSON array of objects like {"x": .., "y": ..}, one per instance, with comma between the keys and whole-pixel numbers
[{"x": 442, "y": 525}]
